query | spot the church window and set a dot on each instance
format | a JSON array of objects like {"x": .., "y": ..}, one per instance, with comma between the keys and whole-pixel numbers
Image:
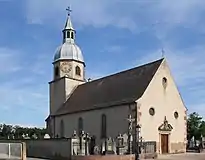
[
  {"x": 77, "y": 70},
  {"x": 72, "y": 35},
  {"x": 80, "y": 125},
  {"x": 62, "y": 129},
  {"x": 68, "y": 34},
  {"x": 176, "y": 115},
  {"x": 164, "y": 82},
  {"x": 56, "y": 71},
  {"x": 104, "y": 126},
  {"x": 152, "y": 111}
]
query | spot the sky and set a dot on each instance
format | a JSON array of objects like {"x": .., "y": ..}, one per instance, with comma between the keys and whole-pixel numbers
[{"x": 113, "y": 35}]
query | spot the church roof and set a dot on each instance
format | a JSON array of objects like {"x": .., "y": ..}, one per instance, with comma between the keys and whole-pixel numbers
[{"x": 117, "y": 89}]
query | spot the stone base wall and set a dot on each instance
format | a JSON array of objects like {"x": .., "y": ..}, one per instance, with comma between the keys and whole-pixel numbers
[
  {"x": 158, "y": 147},
  {"x": 114, "y": 157},
  {"x": 104, "y": 157},
  {"x": 178, "y": 147},
  {"x": 174, "y": 147}
]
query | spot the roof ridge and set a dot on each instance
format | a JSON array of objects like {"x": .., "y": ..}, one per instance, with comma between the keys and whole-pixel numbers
[{"x": 118, "y": 73}]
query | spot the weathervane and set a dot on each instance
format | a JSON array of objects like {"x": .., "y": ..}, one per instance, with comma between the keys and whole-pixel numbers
[{"x": 69, "y": 10}]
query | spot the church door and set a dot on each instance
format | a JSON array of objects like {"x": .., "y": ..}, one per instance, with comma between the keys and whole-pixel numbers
[{"x": 164, "y": 143}]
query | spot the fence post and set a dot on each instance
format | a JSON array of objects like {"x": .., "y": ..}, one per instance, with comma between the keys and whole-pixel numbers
[{"x": 23, "y": 151}]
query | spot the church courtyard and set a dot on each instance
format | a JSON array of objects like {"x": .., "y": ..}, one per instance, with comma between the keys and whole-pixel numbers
[{"x": 184, "y": 156}]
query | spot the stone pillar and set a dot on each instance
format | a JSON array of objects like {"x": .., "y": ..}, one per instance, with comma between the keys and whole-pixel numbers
[{"x": 23, "y": 151}]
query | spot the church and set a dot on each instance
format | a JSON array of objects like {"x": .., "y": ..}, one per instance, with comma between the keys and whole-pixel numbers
[{"x": 101, "y": 107}]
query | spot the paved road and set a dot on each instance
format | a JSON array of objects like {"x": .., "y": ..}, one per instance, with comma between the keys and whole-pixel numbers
[{"x": 186, "y": 156}]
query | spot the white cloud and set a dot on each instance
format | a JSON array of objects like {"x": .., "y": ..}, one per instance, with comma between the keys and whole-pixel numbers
[
  {"x": 23, "y": 84},
  {"x": 113, "y": 49},
  {"x": 199, "y": 108},
  {"x": 9, "y": 61},
  {"x": 133, "y": 15}
]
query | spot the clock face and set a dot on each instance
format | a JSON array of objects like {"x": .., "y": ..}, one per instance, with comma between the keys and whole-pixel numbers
[{"x": 65, "y": 67}]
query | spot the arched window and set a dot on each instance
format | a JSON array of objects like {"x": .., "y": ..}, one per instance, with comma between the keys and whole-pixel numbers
[
  {"x": 164, "y": 82},
  {"x": 77, "y": 70},
  {"x": 80, "y": 125},
  {"x": 56, "y": 71},
  {"x": 72, "y": 35},
  {"x": 103, "y": 126},
  {"x": 62, "y": 129},
  {"x": 68, "y": 34}
]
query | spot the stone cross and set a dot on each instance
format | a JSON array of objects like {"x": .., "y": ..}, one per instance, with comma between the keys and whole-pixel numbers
[
  {"x": 163, "y": 52},
  {"x": 120, "y": 140},
  {"x": 130, "y": 124}
]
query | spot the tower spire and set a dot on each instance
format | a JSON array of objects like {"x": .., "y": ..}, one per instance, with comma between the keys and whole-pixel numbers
[
  {"x": 68, "y": 31},
  {"x": 69, "y": 24}
]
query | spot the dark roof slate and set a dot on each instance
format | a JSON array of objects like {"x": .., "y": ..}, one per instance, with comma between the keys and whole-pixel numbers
[{"x": 123, "y": 87}]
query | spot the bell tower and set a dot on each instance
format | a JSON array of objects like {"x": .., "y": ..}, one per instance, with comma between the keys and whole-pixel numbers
[{"x": 68, "y": 68}]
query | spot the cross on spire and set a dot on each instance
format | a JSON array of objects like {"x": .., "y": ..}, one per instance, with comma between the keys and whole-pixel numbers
[
  {"x": 68, "y": 10},
  {"x": 163, "y": 52}
]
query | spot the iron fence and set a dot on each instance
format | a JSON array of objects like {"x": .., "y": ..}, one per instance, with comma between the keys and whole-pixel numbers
[{"x": 148, "y": 147}]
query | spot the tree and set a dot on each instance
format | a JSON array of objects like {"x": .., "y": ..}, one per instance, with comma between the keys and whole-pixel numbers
[
  {"x": 9, "y": 131},
  {"x": 6, "y": 130},
  {"x": 202, "y": 128},
  {"x": 195, "y": 126}
]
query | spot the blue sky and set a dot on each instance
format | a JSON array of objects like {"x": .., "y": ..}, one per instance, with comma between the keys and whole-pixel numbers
[{"x": 113, "y": 35}]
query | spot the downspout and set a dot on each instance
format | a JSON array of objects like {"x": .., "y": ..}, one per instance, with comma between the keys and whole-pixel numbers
[
  {"x": 54, "y": 127},
  {"x": 136, "y": 134}
]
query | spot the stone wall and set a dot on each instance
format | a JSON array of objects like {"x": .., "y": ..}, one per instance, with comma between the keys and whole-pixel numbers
[
  {"x": 105, "y": 157},
  {"x": 178, "y": 147},
  {"x": 114, "y": 157},
  {"x": 11, "y": 149},
  {"x": 49, "y": 148}
]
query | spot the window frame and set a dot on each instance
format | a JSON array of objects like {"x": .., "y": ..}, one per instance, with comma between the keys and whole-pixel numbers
[{"x": 78, "y": 71}]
